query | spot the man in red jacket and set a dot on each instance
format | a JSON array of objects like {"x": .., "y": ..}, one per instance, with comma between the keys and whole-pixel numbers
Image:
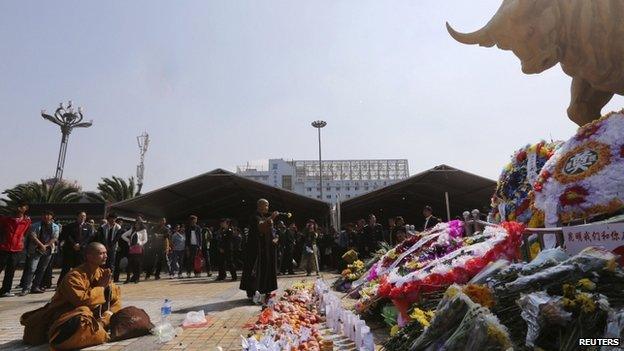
[{"x": 12, "y": 230}]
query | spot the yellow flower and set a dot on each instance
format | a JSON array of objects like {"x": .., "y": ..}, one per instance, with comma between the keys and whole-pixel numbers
[
  {"x": 534, "y": 249},
  {"x": 413, "y": 265},
  {"x": 480, "y": 294},
  {"x": 452, "y": 291},
  {"x": 394, "y": 330},
  {"x": 586, "y": 284},
  {"x": 352, "y": 276},
  {"x": 569, "y": 291},
  {"x": 499, "y": 335},
  {"x": 537, "y": 221},
  {"x": 392, "y": 254},
  {"x": 587, "y": 303},
  {"x": 568, "y": 304},
  {"x": 424, "y": 318}
]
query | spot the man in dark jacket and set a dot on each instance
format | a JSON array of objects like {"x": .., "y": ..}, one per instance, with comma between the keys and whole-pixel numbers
[
  {"x": 373, "y": 233},
  {"x": 226, "y": 252},
  {"x": 109, "y": 235},
  {"x": 75, "y": 237},
  {"x": 193, "y": 243},
  {"x": 159, "y": 238},
  {"x": 287, "y": 245},
  {"x": 430, "y": 219}
]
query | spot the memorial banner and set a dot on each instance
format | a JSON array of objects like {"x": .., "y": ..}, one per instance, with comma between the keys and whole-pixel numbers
[{"x": 609, "y": 236}]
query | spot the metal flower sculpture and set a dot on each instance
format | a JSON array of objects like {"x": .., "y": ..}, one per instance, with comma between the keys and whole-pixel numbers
[{"x": 67, "y": 118}]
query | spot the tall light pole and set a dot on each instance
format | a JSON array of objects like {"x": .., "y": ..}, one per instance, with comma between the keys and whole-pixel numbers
[
  {"x": 67, "y": 119},
  {"x": 318, "y": 125}
]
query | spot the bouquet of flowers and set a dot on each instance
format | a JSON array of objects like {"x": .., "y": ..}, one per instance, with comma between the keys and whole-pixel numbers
[
  {"x": 353, "y": 271},
  {"x": 462, "y": 324},
  {"x": 512, "y": 200},
  {"x": 584, "y": 177}
]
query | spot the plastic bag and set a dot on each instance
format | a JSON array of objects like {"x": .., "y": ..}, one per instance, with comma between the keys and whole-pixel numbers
[
  {"x": 588, "y": 260},
  {"x": 546, "y": 258},
  {"x": 614, "y": 328},
  {"x": 489, "y": 271},
  {"x": 479, "y": 330},
  {"x": 531, "y": 306},
  {"x": 194, "y": 319},
  {"x": 165, "y": 332},
  {"x": 449, "y": 314}
]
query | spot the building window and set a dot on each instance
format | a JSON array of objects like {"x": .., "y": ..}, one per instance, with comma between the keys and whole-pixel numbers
[
  {"x": 348, "y": 188},
  {"x": 318, "y": 196},
  {"x": 328, "y": 196},
  {"x": 328, "y": 188},
  {"x": 310, "y": 189},
  {"x": 274, "y": 166},
  {"x": 318, "y": 189},
  {"x": 348, "y": 196},
  {"x": 337, "y": 188},
  {"x": 366, "y": 188},
  {"x": 356, "y": 188},
  {"x": 287, "y": 182}
]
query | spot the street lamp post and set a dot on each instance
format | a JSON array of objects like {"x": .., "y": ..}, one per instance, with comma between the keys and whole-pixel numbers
[
  {"x": 67, "y": 119},
  {"x": 318, "y": 125}
]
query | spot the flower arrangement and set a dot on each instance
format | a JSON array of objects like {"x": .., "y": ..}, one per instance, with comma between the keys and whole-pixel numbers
[
  {"x": 457, "y": 266},
  {"x": 512, "y": 199},
  {"x": 411, "y": 255},
  {"x": 584, "y": 177}
]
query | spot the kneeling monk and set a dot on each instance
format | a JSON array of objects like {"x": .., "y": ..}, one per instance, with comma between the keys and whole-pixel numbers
[{"x": 79, "y": 313}]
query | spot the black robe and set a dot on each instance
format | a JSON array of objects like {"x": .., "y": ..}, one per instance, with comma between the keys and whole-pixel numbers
[{"x": 259, "y": 269}]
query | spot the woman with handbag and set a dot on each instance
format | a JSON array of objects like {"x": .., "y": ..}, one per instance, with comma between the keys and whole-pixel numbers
[{"x": 136, "y": 239}]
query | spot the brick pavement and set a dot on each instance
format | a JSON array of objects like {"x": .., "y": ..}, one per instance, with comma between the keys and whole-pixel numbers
[{"x": 225, "y": 306}]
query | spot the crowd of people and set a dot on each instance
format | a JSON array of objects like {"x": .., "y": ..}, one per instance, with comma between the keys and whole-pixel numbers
[{"x": 181, "y": 250}]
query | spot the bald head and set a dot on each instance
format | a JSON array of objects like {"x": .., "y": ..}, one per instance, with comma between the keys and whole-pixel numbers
[
  {"x": 95, "y": 254},
  {"x": 263, "y": 206}
]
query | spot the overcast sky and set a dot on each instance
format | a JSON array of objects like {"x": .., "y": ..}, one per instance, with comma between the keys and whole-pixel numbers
[{"x": 220, "y": 83}]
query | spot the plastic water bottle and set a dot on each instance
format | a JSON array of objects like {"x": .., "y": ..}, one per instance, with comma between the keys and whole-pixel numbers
[{"x": 165, "y": 311}]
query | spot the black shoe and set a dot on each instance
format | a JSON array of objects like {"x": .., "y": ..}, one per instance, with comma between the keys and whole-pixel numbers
[
  {"x": 291, "y": 273},
  {"x": 37, "y": 291},
  {"x": 157, "y": 277},
  {"x": 234, "y": 279},
  {"x": 126, "y": 282}
]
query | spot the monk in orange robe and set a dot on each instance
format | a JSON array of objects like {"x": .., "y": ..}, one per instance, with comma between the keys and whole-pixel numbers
[{"x": 79, "y": 313}]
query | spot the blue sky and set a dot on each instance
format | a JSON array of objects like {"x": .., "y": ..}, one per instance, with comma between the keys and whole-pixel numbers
[{"x": 220, "y": 83}]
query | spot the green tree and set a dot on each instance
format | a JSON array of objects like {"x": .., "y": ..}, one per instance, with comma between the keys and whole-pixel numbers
[
  {"x": 113, "y": 189},
  {"x": 43, "y": 192}
]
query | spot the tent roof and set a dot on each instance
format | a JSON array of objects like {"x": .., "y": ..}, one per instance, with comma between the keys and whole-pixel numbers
[
  {"x": 407, "y": 198},
  {"x": 217, "y": 194}
]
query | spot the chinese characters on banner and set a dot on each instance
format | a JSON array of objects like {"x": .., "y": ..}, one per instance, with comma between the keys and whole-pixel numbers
[{"x": 609, "y": 236}]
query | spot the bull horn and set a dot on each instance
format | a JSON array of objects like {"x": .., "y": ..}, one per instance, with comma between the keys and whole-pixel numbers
[{"x": 481, "y": 37}]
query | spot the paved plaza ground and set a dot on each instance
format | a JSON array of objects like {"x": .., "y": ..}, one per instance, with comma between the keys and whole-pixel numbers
[{"x": 227, "y": 309}]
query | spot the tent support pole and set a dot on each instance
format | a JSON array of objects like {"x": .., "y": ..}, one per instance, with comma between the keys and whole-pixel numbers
[{"x": 448, "y": 207}]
